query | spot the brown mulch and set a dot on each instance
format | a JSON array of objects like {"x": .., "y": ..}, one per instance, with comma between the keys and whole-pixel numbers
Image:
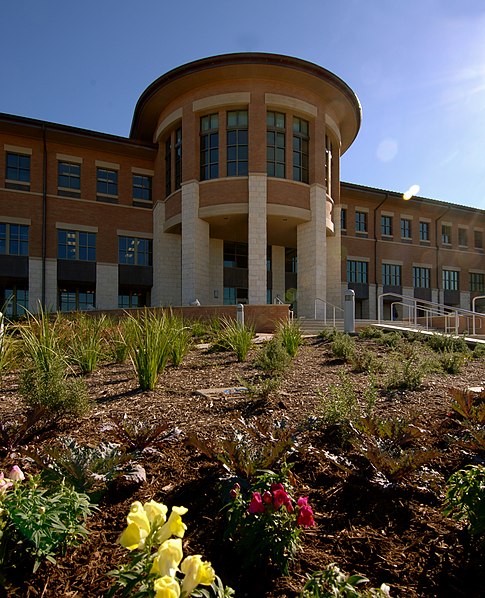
[{"x": 390, "y": 532}]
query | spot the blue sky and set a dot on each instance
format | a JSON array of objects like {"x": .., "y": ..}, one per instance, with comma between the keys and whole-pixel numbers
[{"x": 418, "y": 68}]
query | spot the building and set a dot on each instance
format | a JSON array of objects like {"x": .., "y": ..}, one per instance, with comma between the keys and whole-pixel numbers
[{"x": 227, "y": 190}]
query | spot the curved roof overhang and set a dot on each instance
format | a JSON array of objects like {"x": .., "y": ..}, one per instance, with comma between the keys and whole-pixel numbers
[{"x": 340, "y": 98}]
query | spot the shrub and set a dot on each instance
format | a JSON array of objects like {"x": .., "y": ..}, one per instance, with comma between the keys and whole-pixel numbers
[
  {"x": 138, "y": 435},
  {"x": 479, "y": 351},
  {"x": 327, "y": 334},
  {"x": 339, "y": 405},
  {"x": 39, "y": 523},
  {"x": 291, "y": 337},
  {"x": 261, "y": 387},
  {"x": 272, "y": 358},
  {"x": 54, "y": 391},
  {"x": 180, "y": 340},
  {"x": 465, "y": 498},
  {"x": 333, "y": 583},
  {"x": 444, "y": 342},
  {"x": 42, "y": 341},
  {"x": 366, "y": 361},
  {"x": 452, "y": 362},
  {"x": 343, "y": 346},
  {"x": 406, "y": 371},
  {"x": 371, "y": 332},
  {"x": 238, "y": 337},
  {"x": 7, "y": 348},
  {"x": 264, "y": 522},
  {"x": 87, "y": 343}
]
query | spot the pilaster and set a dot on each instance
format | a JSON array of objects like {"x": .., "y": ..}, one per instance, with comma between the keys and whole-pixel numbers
[{"x": 257, "y": 243}]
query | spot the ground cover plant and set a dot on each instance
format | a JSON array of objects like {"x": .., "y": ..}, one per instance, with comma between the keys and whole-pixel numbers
[{"x": 386, "y": 451}]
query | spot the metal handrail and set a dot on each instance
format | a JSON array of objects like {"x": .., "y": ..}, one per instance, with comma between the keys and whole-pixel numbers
[
  {"x": 327, "y": 304},
  {"x": 474, "y": 300}
]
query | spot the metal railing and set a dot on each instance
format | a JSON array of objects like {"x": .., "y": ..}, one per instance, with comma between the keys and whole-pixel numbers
[
  {"x": 327, "y": 304},
  {"x": 425, "y": 311}
]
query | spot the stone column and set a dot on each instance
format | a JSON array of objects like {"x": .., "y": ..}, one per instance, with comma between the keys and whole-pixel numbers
[
  {"x": 195, "y": 248},
  {"x": 334, "y": 261},
  {"x": 167, "y": 262},
  {"x": 257, "y": 243},
  {"x": 106, "y": 286},
  {"x": 50, "y": 285},
  {"x": 312, "y": 256},
  {"x": 278, "y": 270},
  {"x": 35, "y": 283},
  {"x": 216, "y": 285}
]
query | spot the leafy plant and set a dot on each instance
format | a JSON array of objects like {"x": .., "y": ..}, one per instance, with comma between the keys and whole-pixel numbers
[
  {"x": 465, "y": 498},
  {"x": 389, "y": 445},
  {"x": 39, "y": 523},
  {"x": 445, "y": 342},
  {"x": 87, "y": 469},
  {"x": 333, "y": 583},
  {"x": 339, "y": 405},
  {"x": 7, "y": 347},
  {"x": 86, "y": 345},
  {"x": 34, "y": 423},
  {"x": 343, "y": 346},
  {"x": 238, "y": 337},
  {"x": 164, "y": 573},
  {"x": 452, "y": 362},
  {"x": 273, "y": 358},
  {"x": 180, "y": 341},
  {"x": 291, "y": 337},
  {"x": 470, "y": 405},
  {"x": 366, "y": 361},
  {"x": 264, "y": 522},
  {"x": 255, "y": 448},
  {"x": 371, "y": 332},
  {"x": 42, "y": 340},
  {"x": 261, "y": 387},
  {"x": 327, "y": 334},
  {"x": 138, "y": 435},
  {"x": 406, "y": 371}
]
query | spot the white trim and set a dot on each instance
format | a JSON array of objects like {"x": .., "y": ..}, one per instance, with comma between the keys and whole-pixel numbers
[
  {"x": 241, "y": 98},
  {"x": 278, "y": 100},
  {"x": 18, "y": 149},
  {"x": 167, "y": 122},
  {"x": 79, "y": 227},
  {"x": 137, "y": 234},
  {"x": 13, "y": 220},
  {"x": 109, "y": 165},
  {"x": 67, "y": 158},
  {"x": 136, "y": 170}
]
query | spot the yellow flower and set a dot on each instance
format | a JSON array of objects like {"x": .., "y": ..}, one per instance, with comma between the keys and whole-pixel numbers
[
  {"x": 197, "y": 572},
  {"x": 138, "y": 528},
  {"x": 168, "y": 558},
  {"x": 174, "y": 526},
  {"x": 166, "y": 587},
  {"x": 155, "y": 509}
]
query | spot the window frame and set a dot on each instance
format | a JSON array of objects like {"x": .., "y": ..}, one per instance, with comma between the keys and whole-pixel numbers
[
  {"x": 357, "y": 271},
  {"x": 69, "y": 190},
  {"x": 301, "y": 150},
  {"x": 142, "y": 251},
  {"x": 361, "y": 222},
  {"x": 209, "y": 147},
  {"x": 450, "y": 279},
  {"x": 477, "y": 282},
  {"x": 406, "y": 228},
  {"x": 82, "y": 244},
  {"x": 276, "y": 150},
  {"x": 386, "y": 225},
  {"x": 18, "y": 182},
  {"x": 446, "y": 234},
  {"x": 421, "y": 277},
  {"x": 8, "y": 239},
  {"x": 240, "y": 145},
  {"x": 142, "y": 189},
  {"x": 391, "y": 275},
  {"x": 106, "y": 184}
]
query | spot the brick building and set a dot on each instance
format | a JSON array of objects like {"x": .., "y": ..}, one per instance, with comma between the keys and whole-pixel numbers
[{"x": 227, "y": 190}]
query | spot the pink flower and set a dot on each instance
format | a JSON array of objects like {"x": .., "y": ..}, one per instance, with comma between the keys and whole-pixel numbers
[
  {"x": 276, "y": 486},
  {"x": 16, "y": 474},
  {"x": 303, "y": 501},
  {"x": 4, "y": 485},
  {"x": 256, "y": 504},
  {"x": 280, "y": 498},
  {"x": 305, "y": 517},
  {"x": 267, "y": 498},
  {"x": 289, "y": 507}
]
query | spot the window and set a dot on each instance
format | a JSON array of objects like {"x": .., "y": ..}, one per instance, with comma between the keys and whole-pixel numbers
[
  {"x": 478, "y": 239},
  {"x": 424, "y": 231},
  {"x": 76, "y": 245},
  {"x": 233, "y": 295},
  {"x": 462, "y": 237},
  {"x": 343, "y": 219},
  {"x": 235, "y": 255},
  {"x": 14, "y": 239},
  {"x": 451, "y": 280},
  {"x": 300, "y": 150},
  {"x": 106, "y": 184},
  {"x": 421, "y": 277},
  {"x": 237, "y": 143},
  {"x": 391, "y": 275},
  {"x": 291, "y": 260},
  {"x": 15, "y": 300},
  {"x": 68, "y": 179},
  {"x": 17, "y": 175},
  {"x": 386, "y": 226},
  {"x": 127, "y": 299},
  {"x": 446, "y": 234},
  {"x": 357, "y": 271},
  {"x": 134, "y": 251},
  {"x": 477, "y": 282},
  {"x": 275, "y": 144},
  {"x": 173, "y": 155},
  {"x": 406, "y": 228},
  {"x": 209, "y": 147},
  {"x": 73, "y": 299},
  {"x": 142, "y": 187},
  {"x": 328, "y": 164},
  {"x": 360, "y": 222},
  {"x": 178, "y": 158},
  {"x": 168, "y": 165}
]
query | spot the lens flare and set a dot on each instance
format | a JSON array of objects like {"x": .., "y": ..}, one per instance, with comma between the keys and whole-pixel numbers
[{"x": 411, "y": 192}]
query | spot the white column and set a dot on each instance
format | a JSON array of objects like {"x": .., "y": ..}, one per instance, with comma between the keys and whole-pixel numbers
[
  {"x": 312, "y": 256},
  {"x": 35, "y": 283},
  {"x": 334, "y": 260},
  {"x": 167, "y": 262},
  {"x": 257, "y": 243},
  {"x": 50, "y": 284},
  {"x": 216, "y": 285},
  {"x": 278, "y": 271},
  {"x": 106, "y": 286},
  {"x": 195, "y": 248}
]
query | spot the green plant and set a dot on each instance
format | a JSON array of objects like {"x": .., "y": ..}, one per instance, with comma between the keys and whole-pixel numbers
[
  {"x": 85, "y": 468},
  {"x": 138, "y": 435},
  {"x": 343, "y": 346},
  {"x": 7, "y": 347},
  {"x": 118, "y": 341},
  {"x": 339, "y": 405},
  {"x": 180, "y": 340},
  {"x": 255, "y": 448},
  {"x": 470, "y": 405},
  {"x": 273, "y": 358},
  {"x": 52, "y": 390},
  {"x": 366, "y": 361},
  {"x": 445, "y": 342},
  {"x": 264, "y": 522},
  {"x": 479, "y": 351},
  {"x": 261, "y": 387},
  {"x": 452, "y": 362},
  {"x": 87, "y": 342},
  {"x": 238, "y": 337},
  {"x": 465, "y": 498},
  {"x": 327, "y": 334},
  {"x": 406, "y": 371},
  {"x": 41, "y": 340},
  {"x": 333, "y": 583},
  {"x": 39, "y": 523},
  {"x": 371, "y": 332},
  {"x": 157, "y": 566},
  {"x": 149, "y": 347},
  {"x": 291, "y": 337}
]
